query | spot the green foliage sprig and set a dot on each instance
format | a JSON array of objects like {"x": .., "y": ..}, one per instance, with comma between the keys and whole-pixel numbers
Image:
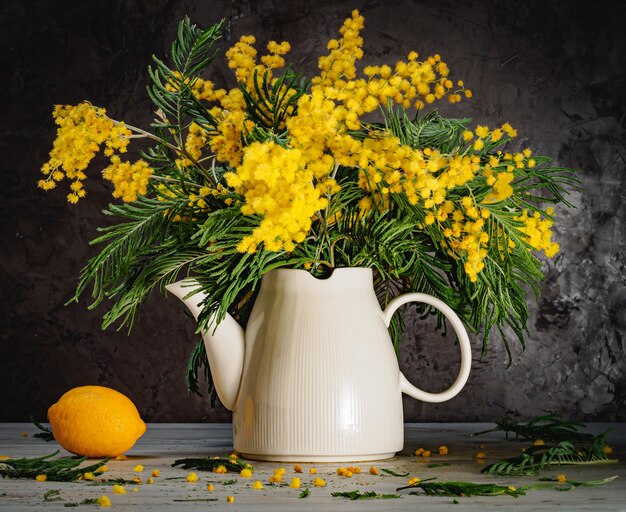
[
  {"x": 52, "y": 495},
  {"x": 171, "y": 89},
  {"x": 467, "y": 489},
  {"x": 63, "y": 469},
  {"x": 393, "y": 473},
  {"x": 45, "y": 434},
  {"x": 269, "y": 105},
  {"x": 367, "y": 495},
  {"x": 563, "y": 443},
  {"x": 572, "y": 484},
  {"x": 86, "y": 501},
  {"x": 538, "y": 458},
  {"x": 549, "y": 427},
  {"x": 462, "y": 489},
  {"x": 113, "y": 481}
]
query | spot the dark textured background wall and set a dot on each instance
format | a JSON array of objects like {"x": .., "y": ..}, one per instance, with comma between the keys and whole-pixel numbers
[{"x": 554, "y": 69}]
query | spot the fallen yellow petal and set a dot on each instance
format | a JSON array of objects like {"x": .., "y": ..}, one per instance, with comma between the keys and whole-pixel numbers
[
  {"x": 319, "y": 482},
  {"x": 103, "y": 501}
]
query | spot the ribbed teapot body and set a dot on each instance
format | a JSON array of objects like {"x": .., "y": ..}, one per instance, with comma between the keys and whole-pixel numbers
[{"x": 320, "y": 378}]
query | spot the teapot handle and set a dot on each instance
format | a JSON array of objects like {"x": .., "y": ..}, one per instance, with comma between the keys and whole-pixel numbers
[{"x": 464, "y": 343}]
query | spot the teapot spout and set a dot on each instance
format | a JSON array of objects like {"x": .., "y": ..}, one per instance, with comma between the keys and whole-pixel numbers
[{"x": 224, "y": 345}]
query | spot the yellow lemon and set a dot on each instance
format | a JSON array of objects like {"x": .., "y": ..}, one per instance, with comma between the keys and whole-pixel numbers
[{"x": 95, "y": 421}]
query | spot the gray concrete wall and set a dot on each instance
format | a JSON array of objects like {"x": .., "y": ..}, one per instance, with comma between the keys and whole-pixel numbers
[{"x": 554, "y": 69}]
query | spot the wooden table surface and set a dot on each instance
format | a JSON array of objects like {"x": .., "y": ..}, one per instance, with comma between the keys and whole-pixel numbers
[{"x": 164, "y": 443}]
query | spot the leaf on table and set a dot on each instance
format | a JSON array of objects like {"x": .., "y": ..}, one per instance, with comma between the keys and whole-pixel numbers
[
  {"x": 464, "y": 489},
  {"x": 45, "y": 434},
  {"x": 540, "y": 457},
  {"x": 53, "y": 495},
  {"x": 368, "y": 495},
  {"x": 550, "y": 428},
  {"x": 199, "y": 499},
  {"x": 571, "y": 484},
  {"x": 63, "y": 469},
  {"x": 438, "y": 464},
  {"x": 86, "y": 501},
  {"x": 393, "y": 473}
]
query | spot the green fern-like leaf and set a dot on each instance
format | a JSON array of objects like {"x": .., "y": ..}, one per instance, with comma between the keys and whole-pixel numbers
[
  {"x": 465, "y": 489},
  {"x": 171, "y": 89},
  {"x": 538, "y": 458},
  {"x": 269, "y": 103},
  {"x": 429, "y": 131},
  {"x": 144, "y": 224},
  {"x": 366, "y": 495},
  {"x": 549, "y": 427}
]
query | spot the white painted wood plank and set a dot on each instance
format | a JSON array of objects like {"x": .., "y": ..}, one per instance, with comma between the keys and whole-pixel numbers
[{"x": 163, "y": 443}]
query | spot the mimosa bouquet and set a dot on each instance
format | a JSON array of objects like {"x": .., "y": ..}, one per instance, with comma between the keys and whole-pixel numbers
[{"x": 350, "y": 168}]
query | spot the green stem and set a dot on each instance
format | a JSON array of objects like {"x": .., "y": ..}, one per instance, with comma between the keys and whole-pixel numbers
[
  {"x": 172, "y": 180},
  {"x": 586, "y": 462},
  {"x": 495, "y": 429},
  {"x": 179, "y": 150}
]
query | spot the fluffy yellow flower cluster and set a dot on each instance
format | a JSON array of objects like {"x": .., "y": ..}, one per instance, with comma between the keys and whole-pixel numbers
[
  {"x": 232, "y": 124},
  {"x": 410, "y": 82},
  {"x": 321, "y": 126},
  {"x": 200, "y": 88},
  {"x": 349, "y": 471},
  {"x": 242, "y": 58},
  {"x": 195, "y": 141},
  {"x": 289, "y": 180},
  {"x": 226, "y": 144},
  {"x": 83, "y": 129},
  {"x": 278, "y": 185},
  {"x": 538, "y": 232},
  {"x": 232, "y": 115},
  {"x": 130, "y": 180}
]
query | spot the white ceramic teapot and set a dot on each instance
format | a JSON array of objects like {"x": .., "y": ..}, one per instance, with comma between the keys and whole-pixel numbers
[{"x": 315, "y": 377}]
